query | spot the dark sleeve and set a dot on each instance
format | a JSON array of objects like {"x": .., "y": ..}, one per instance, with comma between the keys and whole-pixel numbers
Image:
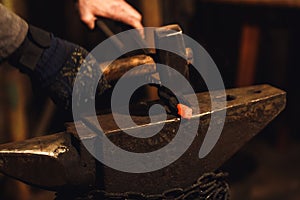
[{"x": 13, "y": 30}]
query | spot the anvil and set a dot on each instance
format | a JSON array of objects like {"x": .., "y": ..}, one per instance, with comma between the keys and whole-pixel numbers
[{"x": 60, "y": 161}]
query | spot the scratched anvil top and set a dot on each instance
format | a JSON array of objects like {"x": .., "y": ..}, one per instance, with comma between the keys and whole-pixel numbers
[
  {"x": 60, "y": 161},
  {"x": 248, "y": 111}
]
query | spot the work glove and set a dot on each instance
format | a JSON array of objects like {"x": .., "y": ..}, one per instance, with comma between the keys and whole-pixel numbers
[{"x": 53, "y": 64}]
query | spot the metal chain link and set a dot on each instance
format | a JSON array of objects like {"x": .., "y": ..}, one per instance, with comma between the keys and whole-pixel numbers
[{"x": 210, "y": 186}]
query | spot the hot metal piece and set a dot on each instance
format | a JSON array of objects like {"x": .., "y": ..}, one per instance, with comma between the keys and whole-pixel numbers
[{"x": 60, "y": 161}]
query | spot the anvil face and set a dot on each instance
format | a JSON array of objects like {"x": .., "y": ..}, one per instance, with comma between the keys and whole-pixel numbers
[{"x": 248, "y": 111}]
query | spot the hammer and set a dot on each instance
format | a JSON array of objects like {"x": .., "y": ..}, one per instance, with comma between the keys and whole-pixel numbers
[{"x": 179, "y": 60}]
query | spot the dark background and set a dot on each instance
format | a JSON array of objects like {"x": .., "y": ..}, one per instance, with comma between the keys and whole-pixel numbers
[{"x": 218, "y": 27}]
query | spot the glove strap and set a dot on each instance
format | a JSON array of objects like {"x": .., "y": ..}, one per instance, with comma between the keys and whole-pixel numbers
[{"x": 28, "y": 54}]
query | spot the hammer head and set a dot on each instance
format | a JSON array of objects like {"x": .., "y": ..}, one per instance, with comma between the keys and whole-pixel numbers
[{"x": 171, "y": 36}]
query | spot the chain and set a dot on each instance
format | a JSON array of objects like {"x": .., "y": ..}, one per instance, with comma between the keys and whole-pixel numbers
[{"x": 210, "y": 186}]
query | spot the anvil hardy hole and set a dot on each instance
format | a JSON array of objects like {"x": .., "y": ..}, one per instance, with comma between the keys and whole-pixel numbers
[
  {"x": 230, "y": 97},
  {"x": 257, "y": 91},
  {"x": 254, "y": 91}
]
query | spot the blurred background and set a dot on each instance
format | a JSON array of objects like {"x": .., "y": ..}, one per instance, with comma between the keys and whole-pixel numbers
[{"x": 251, "y": 41}]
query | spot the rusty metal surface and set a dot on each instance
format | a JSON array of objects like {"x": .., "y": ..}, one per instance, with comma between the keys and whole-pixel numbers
[{"x": 59, "y": 160}]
